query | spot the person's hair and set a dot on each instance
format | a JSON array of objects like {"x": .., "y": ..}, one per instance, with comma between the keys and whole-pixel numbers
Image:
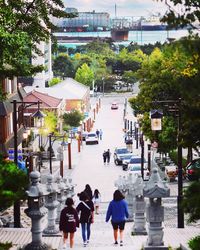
[
  {"x": 96, "y": 193},
  {"x": 69, "y": 202},
  {"x": 118, "y": 196},
  {"x": 83, "y": 196},
  {"x": 87, "y": 187}
]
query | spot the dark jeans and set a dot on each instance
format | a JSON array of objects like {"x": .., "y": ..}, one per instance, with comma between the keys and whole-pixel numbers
[{"x": 85, "y": 231}]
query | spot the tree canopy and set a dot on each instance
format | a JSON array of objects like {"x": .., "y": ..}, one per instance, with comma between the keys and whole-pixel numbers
[{"x": 23, "y": 25}]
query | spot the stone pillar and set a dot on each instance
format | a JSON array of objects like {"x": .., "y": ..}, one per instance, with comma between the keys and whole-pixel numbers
[
  {"x": 36, "y": 211},
  {"x": 139, "y": 227},
  {"x": 51, "y": 204},
  {"x": 60, "y": 197},
  {"x": 155, "y": 189},
  {"x": 129, "y": 196}
]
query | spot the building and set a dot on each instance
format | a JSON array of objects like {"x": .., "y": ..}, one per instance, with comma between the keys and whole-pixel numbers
[
  {"x": 76, "y": 95},
  {"x": 85, "y": 21},
  {"x": 14, "y": 91}
]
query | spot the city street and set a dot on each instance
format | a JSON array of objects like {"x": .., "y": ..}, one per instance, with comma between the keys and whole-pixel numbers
[{"x": 91, "y": 169}]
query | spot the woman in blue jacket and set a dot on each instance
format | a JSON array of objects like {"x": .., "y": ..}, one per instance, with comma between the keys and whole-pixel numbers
[{"x": 118, "y": 211}]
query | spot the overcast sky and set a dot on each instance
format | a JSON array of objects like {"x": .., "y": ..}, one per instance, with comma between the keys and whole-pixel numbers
[{"x": 124, "y": 7}]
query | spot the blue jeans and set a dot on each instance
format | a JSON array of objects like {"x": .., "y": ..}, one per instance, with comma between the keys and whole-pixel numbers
[{"x": 85, "y": 230}]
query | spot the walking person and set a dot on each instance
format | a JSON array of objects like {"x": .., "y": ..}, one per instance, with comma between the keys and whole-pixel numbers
[
  {"x": 118, "y": 212},
  {"x": 96, "y": 200},
  {"x": 88, "y": 191},
  {"x": 97, "y": 133},
  {"x": 104, "y": 157},
  {"x": 86, "y": 210},
  {"x": 100, "y": 134},
  {"x": 108, "y": 154},
  {"x": 68, "y": 222}
]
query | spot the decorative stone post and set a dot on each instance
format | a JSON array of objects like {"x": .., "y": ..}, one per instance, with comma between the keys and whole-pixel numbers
[
  {"x": 51, "y": 204},
  {"x": 36, "y": 211},
  {"x": 155, "y": 189},
  {"x": 130, "y": 194},
  {"x": 72, "y": 185},
  {"x": 66, "y": 188},
  {"x": 60, "y": 197},
  {"x": 139, "y": 227}
]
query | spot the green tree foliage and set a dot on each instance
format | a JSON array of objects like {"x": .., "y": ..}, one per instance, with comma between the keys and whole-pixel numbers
[
  {"x": 54, "y": 81},
  {"x": 191, "y": 201},
  {"x": 23, "y": 25},
  {"x": 168, "y": 75},
  {"x": 63, "y": 66},
  {"x": 50, "y": 123},
  {"x": 73, "y": 118},
  {"x": 85, "y": 75},
  {"x": 13, "y": 183},
  {"x": 189, "y": 14}
]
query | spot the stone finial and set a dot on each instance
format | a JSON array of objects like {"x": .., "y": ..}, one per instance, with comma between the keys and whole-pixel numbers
[{"x": 155, "y": 187}]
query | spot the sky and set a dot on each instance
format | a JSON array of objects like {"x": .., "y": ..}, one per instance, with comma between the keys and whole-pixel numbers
[{"x": 133, "y": 8}]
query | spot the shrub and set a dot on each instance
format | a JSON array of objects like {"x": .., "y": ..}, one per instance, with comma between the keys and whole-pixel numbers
[
  {"x": 5, "y": 246},
  {"x": 54, "y": 81},
  {"x": 194, "y": 243}
]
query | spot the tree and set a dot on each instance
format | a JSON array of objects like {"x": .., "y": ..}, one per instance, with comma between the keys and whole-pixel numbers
[
  {"x": 23, "y": 25},
  {"x": 73, "y": 118},
  {"x": 189, "y": 14},
  {"x": 85, "y": 75},
  {"x": 13, "y": 183},
  {"x": 63, "y": 66}
]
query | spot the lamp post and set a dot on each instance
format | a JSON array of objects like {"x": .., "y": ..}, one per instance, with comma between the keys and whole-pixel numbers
[
  {"x": 103, "y": 85},
  {"x": 15, "y": 141},
  {"x": 175, "y": 106},
  {"x": 69, "y": 154}
]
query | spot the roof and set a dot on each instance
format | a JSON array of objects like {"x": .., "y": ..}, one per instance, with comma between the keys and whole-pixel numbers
[
  {"x": 45, "y": 99},
  {"x": 69, "y": 89}
]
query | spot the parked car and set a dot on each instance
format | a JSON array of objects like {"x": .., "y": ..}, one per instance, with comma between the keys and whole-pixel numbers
[
  {"x": 135, "y": 166},
  {"x": 193, "y": 170},
  {"x": 136, "y": 170},
  {"x": 91, "y": 138},
  {"x": 126, "y": 160},
  {"x": 114, "y": 105},
  {"x": 118, "y": 155},
  {"x": 171, "y": 172}
]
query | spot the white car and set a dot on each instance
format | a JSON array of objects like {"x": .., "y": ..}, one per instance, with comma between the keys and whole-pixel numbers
[
  {"x": 134, "y": 167},
  {"x": 91, "y": 138}
]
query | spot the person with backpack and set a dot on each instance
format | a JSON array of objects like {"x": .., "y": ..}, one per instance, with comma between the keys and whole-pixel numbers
[
  {"x": 104, "y": 157},
  {"x": 69, "y": 221},
  {"x": 86, "y": 210}
]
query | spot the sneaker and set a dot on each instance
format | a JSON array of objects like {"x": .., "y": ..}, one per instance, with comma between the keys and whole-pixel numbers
[
  {"x": 116, "y": 243},
  {"x": 121, "y": 243},
  {"x": 85, "y": 244},
  {"x": 88, "y": 241}
]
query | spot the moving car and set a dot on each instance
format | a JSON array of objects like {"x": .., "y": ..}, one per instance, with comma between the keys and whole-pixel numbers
[
  {"x": 114, "y": 105},
  {"x": 119, "y": 154},
  {"x": 193, "y": 170},
  {"x": 91, "y": 138}
]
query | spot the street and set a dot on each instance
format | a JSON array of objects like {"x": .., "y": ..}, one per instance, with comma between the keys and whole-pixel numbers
[{"x": 91, "y": 169}]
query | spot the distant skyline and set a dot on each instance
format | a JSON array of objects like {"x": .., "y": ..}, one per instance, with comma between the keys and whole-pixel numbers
[{"x": 135, "y": 8}]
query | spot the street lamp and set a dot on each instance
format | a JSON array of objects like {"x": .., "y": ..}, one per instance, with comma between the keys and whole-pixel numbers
[
  {"x": 69, "y": 154},
  {"x": 103, "y": 85},
  {"x": 24, "y": 105},
  {"x": 175, "y": 106}
]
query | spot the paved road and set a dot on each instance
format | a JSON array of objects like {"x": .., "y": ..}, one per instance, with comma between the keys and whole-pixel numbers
[{"x": 91, "y": 169}]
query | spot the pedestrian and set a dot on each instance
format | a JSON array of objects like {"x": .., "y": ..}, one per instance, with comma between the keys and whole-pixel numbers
[
  {"x": 97, "y": 133},
  {"x": 100, "y": 134},
  {"x": 86, "y": 210},
  {"x": 88, "y": 191},
  {"x": 96, "y": 200},
  {"x": 69, "y": 221},
  {"x": 108, "y": 154},
  {"x": 104, "y": 157},
  {"x": 118, "y": 212}
]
